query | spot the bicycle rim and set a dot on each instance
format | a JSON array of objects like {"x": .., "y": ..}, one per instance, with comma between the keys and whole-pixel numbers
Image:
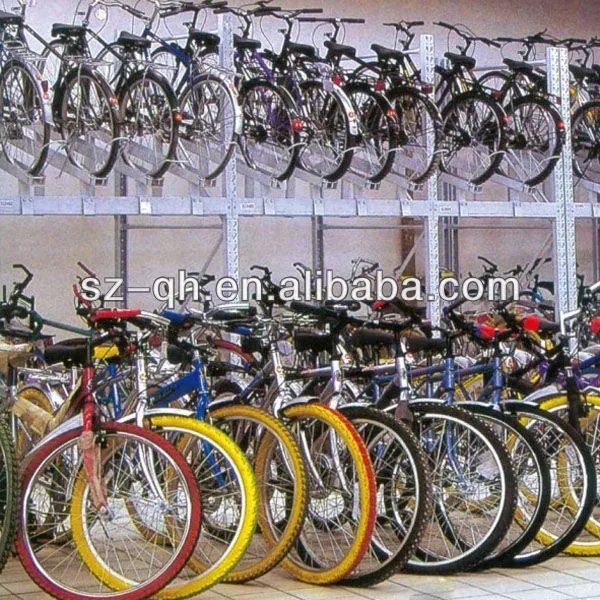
[
  {"x": 342, "y": 499},
  {"x": 59, "y": 558}
]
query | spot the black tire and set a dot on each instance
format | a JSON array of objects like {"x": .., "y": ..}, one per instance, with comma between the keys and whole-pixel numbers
[
  {"x": 402, "y": 477},
  {"x": 329, "y": 145},
  {"x": 9, "y": 492},
  {"x": 209, "y": 122},
  {"x": 379, "y": 129},
  {"x": 585, "y": 135},
  {"x": 482, "y": 478},
  {"x": 23, "y": 119},
  {"x": 536, "y": 135},
  {"x": 259, "y": 130},
  {"x": 161, "y": 109},
  {"x": 555, "y": 436},
  {"x": 473, "y": 118},
  {"x": 533, "y": 478},
  {"x": 419, "y": 120},
  {"x": 69, "y": 125}
]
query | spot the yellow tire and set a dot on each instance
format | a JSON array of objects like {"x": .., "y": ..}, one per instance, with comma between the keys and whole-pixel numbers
[
  {"x": 281, "y": 480},
  {"x": 211, "y": 560},
  {"x": 321, "y": 432}
]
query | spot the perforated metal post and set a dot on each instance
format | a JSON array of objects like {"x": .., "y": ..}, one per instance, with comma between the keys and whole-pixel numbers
[
  {"x": 565, "y": 260},
  {"x": 231, "y": 219},
  {"x": 432, "y": 229},
  {"x": 122, "y": 239}
]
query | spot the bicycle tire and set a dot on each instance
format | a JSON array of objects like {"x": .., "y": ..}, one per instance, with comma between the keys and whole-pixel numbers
[
  {"x": 257, "y": 128},
  {"x": 75, "y": 496},
  {"x": 529, "y": 461},
  {"x": 264, "y": 557},
  {"x": 9, "y": 492},
  {"x": 397, "y": 535},
  {"x": 521, "y": 133},
  {"x": 222, "y": 149},
  {"x": 567, "y": 452},
  {"x": 559, "y": 405},
  {"x": 323, "y": 111},
  {"x": 489, "y": 132},
  {"x": 68, "y": 127},
  {"x": 379, "y": 132},
  {"x": 419, "y": 118},
  {"x": 490, "y": 467},
  {"x": 134, "y": 122},
  {"x": 585, "y": 128},
  {"x": 28, "y": 108},
  {"x": 304, "y": 561}
]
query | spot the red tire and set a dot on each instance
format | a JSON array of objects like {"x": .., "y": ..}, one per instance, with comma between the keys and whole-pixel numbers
[{"x": 44, "y": 469}]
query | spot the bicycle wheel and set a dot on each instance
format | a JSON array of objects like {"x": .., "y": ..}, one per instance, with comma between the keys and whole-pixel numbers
[
  {"x": 89, "y": 122},
  {"x": 533, "y": 480},
  {"x": 150, "y": 118},
  {"x": 588, "y": 541},
  {"x": 229, "y": 501},
  {"x": 475, "y": 489},
  {"x": 342, "y": 496},
  {"x": 270, "y": 141},
  {"x": 378, "y": 132},
  {"x": 405, "y": 494},
  {"x": 281, "y": 480},
  {"x": 9, "y": 492},
  {"x": 536, "y": 134},
  {"x": 127, "y": 566},
  {"x": 208, "y": 130},
  {"x": 474, "y": 137},
  {"x": 330, "y": 143},
  {"x": 420, "y": 141},
  {"x": 574, "y": 484},
  {"x": 585, "y": 134},
  {"x": 24, "y": 127}
]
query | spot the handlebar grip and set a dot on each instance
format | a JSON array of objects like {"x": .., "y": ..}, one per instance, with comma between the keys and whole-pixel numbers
[
  {"x": 443, "y": 24},
  {"x": 310, "y": 20},
  {"x": 221, "y": 10},
  {"x": 262, "y": 11},
  {"x": 137, "y": 13},
  {"x": 507, "y": 39},
  {"x": 357, "y": 21},
  {"x": 452, "y": 307},
  {"x": 415, "y": 23},
  {"x": 311, "y": 11},
  {"x": 215, "y": 5},
  {"x": 316, "y": 311}
]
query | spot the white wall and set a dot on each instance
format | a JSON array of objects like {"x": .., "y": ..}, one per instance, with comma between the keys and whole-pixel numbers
[{"x": 51, "y": 246}]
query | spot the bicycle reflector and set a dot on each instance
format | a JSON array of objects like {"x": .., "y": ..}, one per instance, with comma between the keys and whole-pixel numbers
[
  {"x": 297, "y": 124},
  {"x": 560, "y": 124},
  {"x": 337, "y": 79},
  {"x": 595, "y": 325},
  {"x": 427, "y": 88},
  {"x": 391, "y": 113},
  {"x": 379, "y": 85},
  {"x": 531, "y": 323},
  {"x": 178, "y": 117},
  {"x": 379, "y": 304},
  {"x": 45, "y": 90}
]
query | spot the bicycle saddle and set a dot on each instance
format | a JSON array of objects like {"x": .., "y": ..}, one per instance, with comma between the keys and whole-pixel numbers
[
  {"x": 66, "y": 353},
  {"x": 468, "y": 62},
  {"x": 7, "y": 18},
  {"x": 204, "y": 38},
  {"x": 335, "y": 49},
  {"x": 583, "y": 72},
  {"x": 303, "y": 49},
  {"x": 309, "y": 340},
  {"x": 67, "y": 30},
  {"x": 370, "y": 337},
  {"x": 130, "y": 40},
  {"x": 384, "y": 53},
  {"x": 519, "y": 66},
  {"x": 245, "y": 43}
]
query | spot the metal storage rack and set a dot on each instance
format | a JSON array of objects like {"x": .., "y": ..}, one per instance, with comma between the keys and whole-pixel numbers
[{"x": 445, "y": 198}]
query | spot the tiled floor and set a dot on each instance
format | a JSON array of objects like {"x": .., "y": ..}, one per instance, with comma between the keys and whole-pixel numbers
[{"x": 557, "y": 579}]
